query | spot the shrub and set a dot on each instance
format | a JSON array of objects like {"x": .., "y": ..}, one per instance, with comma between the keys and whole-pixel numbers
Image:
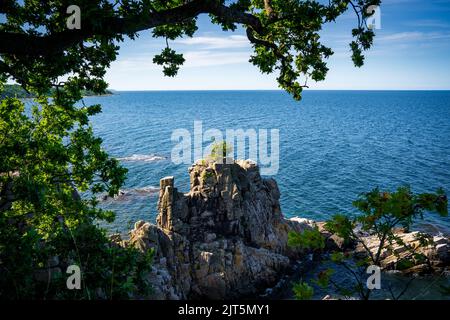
[{"x": 382, "y": 212}]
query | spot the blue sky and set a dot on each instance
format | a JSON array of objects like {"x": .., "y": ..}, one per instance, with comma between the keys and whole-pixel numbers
[{"x": 411, "y": 51}]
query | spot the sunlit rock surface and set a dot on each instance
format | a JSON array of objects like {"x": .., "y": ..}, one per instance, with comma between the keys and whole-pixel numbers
[{"x": 226, "y": 238}]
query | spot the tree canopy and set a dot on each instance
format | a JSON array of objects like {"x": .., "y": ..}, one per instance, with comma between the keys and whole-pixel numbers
[{"x": 36, "y": 46}]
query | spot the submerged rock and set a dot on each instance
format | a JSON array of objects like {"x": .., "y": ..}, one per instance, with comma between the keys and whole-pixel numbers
[{"x": 225, "y": 238}]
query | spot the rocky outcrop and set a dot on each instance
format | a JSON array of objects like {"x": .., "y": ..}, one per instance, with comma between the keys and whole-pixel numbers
[
  {"x": 225, "y": 238},
  {"x": 414, "y": 253}
]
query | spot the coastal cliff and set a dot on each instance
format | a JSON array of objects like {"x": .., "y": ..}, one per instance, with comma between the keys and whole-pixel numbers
[{"x": 227, "y": 237}]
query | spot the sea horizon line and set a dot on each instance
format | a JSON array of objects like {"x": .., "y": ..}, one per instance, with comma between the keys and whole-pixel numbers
[{"x": 277, "y": 90}]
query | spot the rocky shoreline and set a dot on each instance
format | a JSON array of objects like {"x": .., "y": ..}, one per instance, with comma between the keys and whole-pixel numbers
[{"x": 227, "y": 237}]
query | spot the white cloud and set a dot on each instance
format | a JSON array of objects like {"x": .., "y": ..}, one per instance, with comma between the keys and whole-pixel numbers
[
  {"x": 194, "y": 59},
  {"x": 233, "y": 41},
  {"x": 428, "y": 23},
  {"x": 414, "y": 36},
  {"x": 212, "y": 58}
]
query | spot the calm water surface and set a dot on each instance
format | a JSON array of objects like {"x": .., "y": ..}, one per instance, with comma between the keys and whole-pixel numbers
[{"x": 333, "y": 145}]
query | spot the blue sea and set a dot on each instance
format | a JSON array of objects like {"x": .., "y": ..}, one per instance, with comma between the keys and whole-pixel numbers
[{"x": 334, "y": 145}]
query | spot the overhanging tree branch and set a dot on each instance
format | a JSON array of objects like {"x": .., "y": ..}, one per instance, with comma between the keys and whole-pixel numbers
[
  {"x": 27, "y": 44},
  {"x": 36, "y": 45}
]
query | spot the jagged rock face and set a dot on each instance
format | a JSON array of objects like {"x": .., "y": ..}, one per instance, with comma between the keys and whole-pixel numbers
[
  {"x": 225, "y": 200},
  {"x": 437, "y": 253},
  {"x": 226, "y": 238}
]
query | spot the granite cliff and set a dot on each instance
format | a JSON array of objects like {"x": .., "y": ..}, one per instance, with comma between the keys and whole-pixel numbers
[{"x": 227, "y": 237}]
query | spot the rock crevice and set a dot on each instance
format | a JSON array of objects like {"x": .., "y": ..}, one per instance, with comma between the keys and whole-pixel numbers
[{"x": 225, "y": 238}]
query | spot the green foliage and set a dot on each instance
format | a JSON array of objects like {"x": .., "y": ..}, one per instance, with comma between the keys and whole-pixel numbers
[
  {"x": 206, "y": 175},
  {"x": 170, "y": 61},
  {"x": 405, "y": 264},
  {"x": 341, "y": 225},
  {"x": 337, "y": 257},
  {"x": 290, "y": 40},
  {"x": 302, "y": 291},
  {"x": 285, "y": 35},
  {"x": 108, "y": 271},
  {"x": 308, "y": 239},
  {"x": 47, "y": 156},
  {"x": 383, "y": 209},
  {"x": 323, "y": 278},
  {"x": 381, "y": 213},
  {"x": 220, "y": 150}
]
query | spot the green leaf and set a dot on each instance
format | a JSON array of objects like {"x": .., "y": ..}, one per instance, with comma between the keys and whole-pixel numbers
[
  {"x": 308, "y": 239},
  {"x": 302, "y": 291}
]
